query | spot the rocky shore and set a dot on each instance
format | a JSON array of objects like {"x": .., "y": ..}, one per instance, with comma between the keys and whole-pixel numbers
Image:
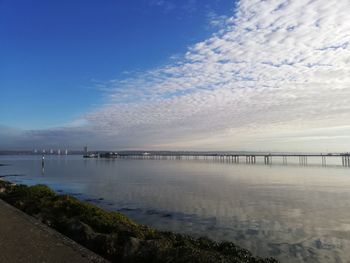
[{"x": 114, "y": 236}]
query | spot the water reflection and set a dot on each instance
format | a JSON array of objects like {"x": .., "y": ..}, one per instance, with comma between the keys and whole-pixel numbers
[{"x": 295, "y": 213}]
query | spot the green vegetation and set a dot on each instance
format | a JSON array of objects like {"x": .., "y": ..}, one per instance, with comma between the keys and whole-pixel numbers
[{"x": 113, "y": 235}]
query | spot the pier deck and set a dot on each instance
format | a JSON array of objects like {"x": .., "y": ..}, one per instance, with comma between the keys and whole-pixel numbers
[{"x": 230, "y": 157}]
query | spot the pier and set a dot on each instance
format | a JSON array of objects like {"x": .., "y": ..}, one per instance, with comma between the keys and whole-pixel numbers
[{"x": 248, "y": 158}]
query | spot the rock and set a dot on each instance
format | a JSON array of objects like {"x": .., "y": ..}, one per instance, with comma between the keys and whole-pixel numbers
[
  {"x": 131, "y": 247},
  {"x": 105, "y": 244}
]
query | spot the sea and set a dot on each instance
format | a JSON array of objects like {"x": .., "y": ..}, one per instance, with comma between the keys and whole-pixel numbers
[{"x": 295, "y": 213}]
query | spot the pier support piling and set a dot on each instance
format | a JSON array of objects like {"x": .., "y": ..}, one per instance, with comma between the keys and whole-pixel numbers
[
  {"x": 285, "y": 160},
  {"x": 303, "y": 160}
]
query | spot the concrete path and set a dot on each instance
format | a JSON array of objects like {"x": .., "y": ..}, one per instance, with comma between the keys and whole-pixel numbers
[{"x": 25, "y": 239}]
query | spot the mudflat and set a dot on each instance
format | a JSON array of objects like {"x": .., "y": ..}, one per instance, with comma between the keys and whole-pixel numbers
[{"x": 25, "y": 239}]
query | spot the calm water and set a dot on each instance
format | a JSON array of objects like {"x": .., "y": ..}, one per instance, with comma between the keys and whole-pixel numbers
[{"x": 294, "y": 213}]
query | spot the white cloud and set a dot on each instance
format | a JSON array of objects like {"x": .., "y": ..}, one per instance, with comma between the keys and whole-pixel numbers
[
  {"x": 276, "y": 69},
  {"x": 276, "y": 63}
]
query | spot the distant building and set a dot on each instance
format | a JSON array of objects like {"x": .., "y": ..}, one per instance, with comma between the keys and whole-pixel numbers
[{"x": 89, "y": 154}]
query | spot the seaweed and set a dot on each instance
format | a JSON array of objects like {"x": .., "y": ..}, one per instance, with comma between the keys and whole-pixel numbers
[{"x": 115, "y": 236}]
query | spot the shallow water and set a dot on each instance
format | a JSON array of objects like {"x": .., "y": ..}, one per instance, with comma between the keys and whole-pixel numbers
[{"x": 291, "y": 212}]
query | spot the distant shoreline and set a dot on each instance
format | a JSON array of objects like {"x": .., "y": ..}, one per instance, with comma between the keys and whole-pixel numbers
[{"x": 113, "y": 235}]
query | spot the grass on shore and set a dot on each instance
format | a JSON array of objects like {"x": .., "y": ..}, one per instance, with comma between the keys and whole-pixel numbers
[{"x": 113, "y": 235}]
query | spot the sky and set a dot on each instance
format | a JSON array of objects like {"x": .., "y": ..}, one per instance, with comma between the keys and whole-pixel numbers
[{"x": 254, "y": 75}]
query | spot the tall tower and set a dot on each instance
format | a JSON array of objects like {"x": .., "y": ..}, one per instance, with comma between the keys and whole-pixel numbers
[
  {"x": 85, "y": 150},
  {"x": 66, "y": 152}
]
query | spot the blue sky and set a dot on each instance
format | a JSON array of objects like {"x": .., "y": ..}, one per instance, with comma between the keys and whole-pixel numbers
[
  {"x": 268, "y": 75},
  {"x": 53, "y": 51}
]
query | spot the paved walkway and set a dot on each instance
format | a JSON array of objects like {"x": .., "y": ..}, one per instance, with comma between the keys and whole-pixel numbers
[{"x": 24, "y": 239}]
